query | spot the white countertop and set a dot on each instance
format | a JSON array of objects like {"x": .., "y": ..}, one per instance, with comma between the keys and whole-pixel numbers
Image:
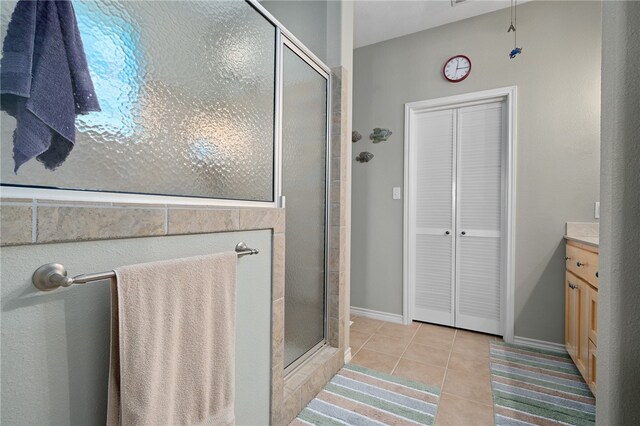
[{"x": 583, "y": 232}]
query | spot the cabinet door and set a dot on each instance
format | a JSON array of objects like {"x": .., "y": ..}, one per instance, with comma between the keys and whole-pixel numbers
[
  {"x": 582, "y": 362},
  {"x": 591, "y": 380},
  {"x": 570, "y": 317},
  {"x": 577, "y": 315},
  {"x": 593, "y": 315}
]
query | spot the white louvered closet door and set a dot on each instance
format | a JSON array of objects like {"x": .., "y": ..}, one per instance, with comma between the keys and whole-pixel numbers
[
  {"x": 432, "y": 216},
  {"x": 480, "y": 168}
]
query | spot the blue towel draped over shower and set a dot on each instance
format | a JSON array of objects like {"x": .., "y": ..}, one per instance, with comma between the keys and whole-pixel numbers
[{"x": 44, "y": 80}]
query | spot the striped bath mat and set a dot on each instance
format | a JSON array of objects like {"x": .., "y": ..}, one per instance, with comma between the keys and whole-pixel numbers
[
  {"x": 534, "y": 386},
  {"x": 360, "y": 396}
]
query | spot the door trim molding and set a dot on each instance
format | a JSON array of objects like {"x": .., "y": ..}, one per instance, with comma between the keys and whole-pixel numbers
[{"x": 509, "y": 95}]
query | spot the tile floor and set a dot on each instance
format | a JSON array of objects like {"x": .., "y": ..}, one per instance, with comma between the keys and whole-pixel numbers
[{"x": 455, "y": 361}]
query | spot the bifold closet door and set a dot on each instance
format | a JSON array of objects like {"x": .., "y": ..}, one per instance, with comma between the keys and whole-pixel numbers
[
  {"x": 481, "y": 137},
  {"x": 432, "y": 216}
]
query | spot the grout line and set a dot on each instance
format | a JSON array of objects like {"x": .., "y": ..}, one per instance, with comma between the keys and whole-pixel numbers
[
  {"x": 365, "y": 342},
  {"x": 444, "y": 377},
  {"x": 446, "y": 368},
  {"x": 470, "y": 400},
  {"x": 405, "y": 349}
]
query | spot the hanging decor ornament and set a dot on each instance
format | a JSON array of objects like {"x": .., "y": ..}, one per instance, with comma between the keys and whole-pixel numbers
[{"x": 514, "y": 22}]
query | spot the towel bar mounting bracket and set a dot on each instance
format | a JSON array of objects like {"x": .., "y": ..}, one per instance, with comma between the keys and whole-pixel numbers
[{"x": 51, "y": 276}]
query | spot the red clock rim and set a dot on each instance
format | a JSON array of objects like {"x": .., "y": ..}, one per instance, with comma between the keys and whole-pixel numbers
[{"x": 449, "y": 60}]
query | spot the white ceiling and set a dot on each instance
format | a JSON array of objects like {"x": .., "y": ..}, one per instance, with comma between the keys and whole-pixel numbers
[{"x": 379, "y": 20}]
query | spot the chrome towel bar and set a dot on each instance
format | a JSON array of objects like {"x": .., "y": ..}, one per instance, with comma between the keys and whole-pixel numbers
[{"x": 53, "y": 275}]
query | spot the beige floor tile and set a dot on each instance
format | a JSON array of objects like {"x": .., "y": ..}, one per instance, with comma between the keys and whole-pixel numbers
[
  {"x": 357, "y": 340},
  {"x": 398, "y": 330},
  {"x": 426, "y": 354},
  {"x": 471, "y": 346},
  {"x": 455, "y": 411},
  {"x": 435, "y": 329},
  {"x": 387, "y": 345},
  {"x": 473, "y": 386},
  {"x": 417, "y": 371},
  {"x": 366, "y": 325},
  {"x": 375, "y": 360},
  {"x": 467, "y": 334},
  {"x": 435, "y": 336},
  {"x": 404, "y": 338},
  {"x": 469, "y": 363}
]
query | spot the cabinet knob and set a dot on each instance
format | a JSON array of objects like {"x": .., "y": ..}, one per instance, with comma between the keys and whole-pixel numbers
[
  {"x": 597, "y": 275},
  {"x": 447, "y": 233},
  {"x": 571, "y": 286},
  {"x": 567, "y": 258},
  {"x": 463, "y": 233},
  {"x": 579, "y": 264}
]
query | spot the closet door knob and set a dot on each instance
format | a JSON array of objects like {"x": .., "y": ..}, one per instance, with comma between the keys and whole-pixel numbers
[
  {"x": 447, "y": 233},
  {"x": 463, "y": 233}
]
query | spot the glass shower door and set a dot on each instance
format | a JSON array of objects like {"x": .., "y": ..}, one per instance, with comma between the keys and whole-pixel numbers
[{"x": 304, "y": 182}]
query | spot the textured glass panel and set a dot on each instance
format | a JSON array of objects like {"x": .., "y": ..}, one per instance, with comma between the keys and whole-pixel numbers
[
  {"x": 303, "y": 184},
  {"x": 186, "y": 90}
]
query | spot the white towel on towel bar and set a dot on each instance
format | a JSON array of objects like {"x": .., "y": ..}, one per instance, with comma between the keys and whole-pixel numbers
[{"x": 173, "y": 342}]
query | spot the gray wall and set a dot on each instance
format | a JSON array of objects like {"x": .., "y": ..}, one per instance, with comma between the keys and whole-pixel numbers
[
  {"x": 306, "y": 19},
  {"x": 558, "y": 79},
  {"x": 619, "y": 293},
  {"x": 324, "y": 26},
  {"x": 55, "y": 346}
]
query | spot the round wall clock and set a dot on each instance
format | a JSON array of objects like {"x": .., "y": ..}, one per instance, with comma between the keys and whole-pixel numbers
[{"x": 457, "y": 68}]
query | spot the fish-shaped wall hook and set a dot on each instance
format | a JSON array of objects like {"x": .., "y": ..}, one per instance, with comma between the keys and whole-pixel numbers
[
  {"x": 380, "y": 135},
  {"x": 364, "y": 157}
]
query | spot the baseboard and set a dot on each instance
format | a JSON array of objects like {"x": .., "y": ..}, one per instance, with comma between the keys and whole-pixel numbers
[
  {"x": 539, "y": 344},
  {"x": 370, "y": 313}
]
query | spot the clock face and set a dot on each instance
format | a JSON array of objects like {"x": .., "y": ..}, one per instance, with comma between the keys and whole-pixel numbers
[{"x": 457, "y": 68}]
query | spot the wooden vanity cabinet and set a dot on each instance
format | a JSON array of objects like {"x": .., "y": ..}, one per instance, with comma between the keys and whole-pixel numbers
[
  {"x": 581, "y": 308},
  {"x": 576, "y": 319}
]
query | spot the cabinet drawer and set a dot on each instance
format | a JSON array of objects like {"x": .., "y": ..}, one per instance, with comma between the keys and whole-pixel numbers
[{"x": 582, "y": 263}]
